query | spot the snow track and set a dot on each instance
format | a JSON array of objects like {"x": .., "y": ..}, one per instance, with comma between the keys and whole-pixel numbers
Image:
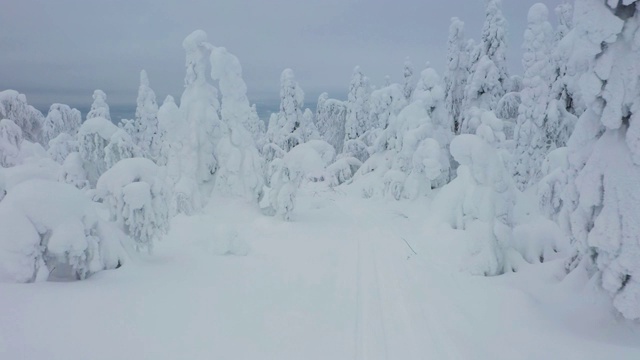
[{"x": 349, "y": 278}]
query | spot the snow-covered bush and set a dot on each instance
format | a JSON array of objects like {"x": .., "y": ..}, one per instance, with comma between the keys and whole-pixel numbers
[
  {"x": 10, "y": 143},
  {"x": 72, "y": 171},
  {"x": 51, "y": 231},
  {"x": 138, "y": 199}
]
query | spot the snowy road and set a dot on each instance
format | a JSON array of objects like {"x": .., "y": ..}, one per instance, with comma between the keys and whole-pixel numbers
[{"x": 348, "y": 279}]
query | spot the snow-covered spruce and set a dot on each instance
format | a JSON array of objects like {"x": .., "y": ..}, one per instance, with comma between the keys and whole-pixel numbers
[
  {"x": 533, "y": 126},
  {"x": 480, "y": 200},
  {"x": 51, "y": 231},
  {"x": 99, "y": 107},
  {"x": 603, "y": 198},
  {"x": 60, "y": 119},
  {"x": 13, "y": 106},
  {"x": 457, "y": 72},
  {"x": 138, "y": 199},
  {"x": 357, "y": 120},
  {"x": 93, "y": 137},
  {"x": 331, "y": 115},
  {"x": 10, "y": 143},
  {"x": 144, "y": 130}
]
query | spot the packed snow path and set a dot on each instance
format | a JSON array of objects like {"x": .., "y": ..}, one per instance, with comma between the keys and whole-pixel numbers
[{"x": 347, "y": 279}]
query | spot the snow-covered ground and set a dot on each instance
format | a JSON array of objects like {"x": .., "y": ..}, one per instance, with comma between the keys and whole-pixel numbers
[{"x": 348, "y": 278}]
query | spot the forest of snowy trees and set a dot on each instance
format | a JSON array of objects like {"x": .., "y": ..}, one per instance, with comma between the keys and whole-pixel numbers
[{"x": 537, "y": 166}]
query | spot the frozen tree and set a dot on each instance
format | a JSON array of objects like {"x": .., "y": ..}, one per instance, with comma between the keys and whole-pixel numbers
[
  {"x": 121, "y": 146},
  {"x": 93, "y": 137},
  {"x": 61, "y": 146},
  {"x": 285, "y": 131},
  {"x": 407, "y": 74},
  {"x": 457, "y": 72},
  {"x": 10, "y": 143},
  {"x": 385, "y": 104},
  {"x": 604, "y": 151},
  {"x": 99, "y": 108},
  {"x": 235, "y": 107},
  {"x": 483, "y": 90},
  {"x": 52, "y": 231},
  {"x": 494, "y": 41},
  {"x": 480, "y": 200},
  {"x": 357, "y": 121},
  {"x": 411, "y": 155},
  {"x": 199, "y": 106},
  {"x": 13, "y": 106},
  {"x": 144, "y": 128},
  {"x": 507, "y": 110},
  {"x": 534, "y": 127},
  {"x": 563, "y": 107},
  {"x": 138, "y": 200},
  {"x": 60, "y": 119},
  {"x": 331, "y": 115}
]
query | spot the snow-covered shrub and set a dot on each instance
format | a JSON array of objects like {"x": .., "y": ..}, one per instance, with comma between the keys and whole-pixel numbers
[
  {"x": 138, "y": 199},
  {"x": 13, "y": 106},
  {"x": 281, "y": 196},
  {"x": 480, "y": 200},
  {"x": 343, "y": 169},
  {"x": 72, "y": 171},
  {"x": 550, "y": 189},
  {"x": 10, "y": 143},
  {"x": 51, "y": 231}
]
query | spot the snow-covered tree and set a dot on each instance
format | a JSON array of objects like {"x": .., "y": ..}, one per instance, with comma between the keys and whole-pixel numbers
[
  {"x": 93, "y": 137},
  {"x": 604, "y": 151},
  {"x": 200, "y": 108},
  {"x": 13, "y": 106},
  {"x": 235, "y": 107},
  {"x": 61, "y": 146},
  {"x": 457, "y": 72},
  {"x": 494, "y": 41},
  {"x": 121, "y": 146},
  {"x": 480, "y": 200},
  {"x": 285, "y": 131},
  {"x": 99, "y": 108},
  {"x": 385, "y": 103},
  {"x": 60, "y": 119},
  {"x": 72, "y": 171},
  {"x": 534, "y": 128},
  {"x": 138, "y": 199},
  {"x": 144, "y": 128},
  {"x": 10, "y": 143},
  {"x": 407, "y": 75},
  {"x": 52, "y": 231},
  {"x": 357, "y": 121},
  {"x": 331, "y": 115},
  {"x": 483, "y": 91}
]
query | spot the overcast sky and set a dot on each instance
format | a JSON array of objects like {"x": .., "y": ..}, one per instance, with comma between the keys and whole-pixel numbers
[{"x": 60, "y": 50}]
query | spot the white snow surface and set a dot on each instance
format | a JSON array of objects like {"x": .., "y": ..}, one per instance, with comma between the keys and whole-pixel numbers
[{"x": 348, "y": 278}]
